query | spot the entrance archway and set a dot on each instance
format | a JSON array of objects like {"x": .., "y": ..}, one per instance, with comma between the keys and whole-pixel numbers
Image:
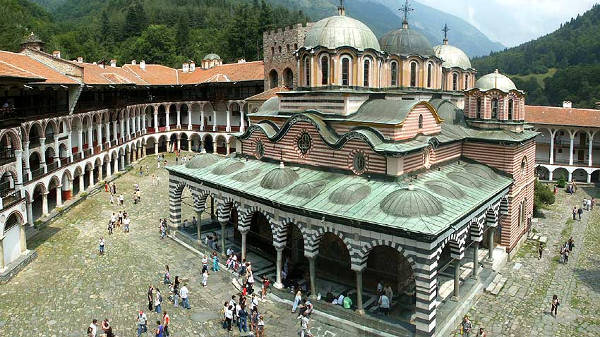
[
  {"x": 333, "y": 261},
  {"x": 208, "y": 144}
]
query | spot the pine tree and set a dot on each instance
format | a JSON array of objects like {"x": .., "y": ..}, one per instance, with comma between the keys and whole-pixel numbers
[{"x": 135, "y": 21}]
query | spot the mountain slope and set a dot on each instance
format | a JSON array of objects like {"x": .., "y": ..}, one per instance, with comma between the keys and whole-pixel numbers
[
  {"x": 383, "y": 16},
  {"x": 18, "y": 18}
]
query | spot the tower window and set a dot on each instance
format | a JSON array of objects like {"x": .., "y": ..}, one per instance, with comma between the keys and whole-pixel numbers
[
  {"x": 413, "y": 74},
  {"x": 394, "y": 73},
  {"x": 429, "y": 74},
  {"x": 466, "y": 82},
  {"x": 279, "y": 49},
  {"x": 454, "y": 81},
  {"x": 307, "y": 71},
  {"x": 324, "y": 70},
  {"x": 420, "y": 121},
  {"x": 494, "y": 108},
  {"x": 345, "y": 71},
  {"x": 510, "y": 109},
  {"x": 367, "y": 66},
  {"x": 478, "y": 107}
]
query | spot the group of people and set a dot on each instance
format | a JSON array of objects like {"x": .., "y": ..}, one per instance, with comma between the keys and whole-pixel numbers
[
  {"x": 466, "y": 328},
  {"x": 92, "y": 330},
  {"x": 118, "y": 219},
  {"x": 566, "y": 249},
  {"x": 239, "y": 313}
]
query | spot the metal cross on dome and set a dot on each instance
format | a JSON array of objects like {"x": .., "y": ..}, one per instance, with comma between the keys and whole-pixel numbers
[
  {"x": 446, "y": 30},
  {"x": 406, "y": 9}
]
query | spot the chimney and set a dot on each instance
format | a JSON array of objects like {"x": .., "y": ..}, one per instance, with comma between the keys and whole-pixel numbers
[
  {"x": 133, "y": 62},
  {"x": 113, "y": 63},
  {"x": 186, "y": 67},
  {"x": 102, "y": 64},
  {"x": 79, "y": 59},
  {"x": 242, "y": 61},
  {"x": 192, "y": 66},
  {"x": 143, "y": 65},
  {"x": 56, "y": 54},
  {"x": 597, "y": 105},
  {"x": 567, "y": 104}
]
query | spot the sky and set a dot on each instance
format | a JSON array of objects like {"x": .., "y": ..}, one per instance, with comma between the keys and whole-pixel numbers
[{"x": 512, "y": 22}]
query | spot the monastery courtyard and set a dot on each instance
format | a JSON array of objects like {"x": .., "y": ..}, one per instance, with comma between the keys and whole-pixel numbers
[{"x": 69, "y": 284}]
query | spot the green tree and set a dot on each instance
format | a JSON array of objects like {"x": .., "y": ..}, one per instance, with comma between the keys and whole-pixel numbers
[
  {"x": 155, "y": 45},
  {"x": 135, "y": 21}
]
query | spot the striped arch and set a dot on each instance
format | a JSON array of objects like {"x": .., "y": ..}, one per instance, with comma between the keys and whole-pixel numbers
[
  {"x": 476, "y": 229},
  {"x": 175, "y": 191},
  {"x": 199, "y": 198},
  {"x": 318, "y": 235},
  {"x": 245, "y": 220},
  {"x": 282, "y": 228},
  {"x": 366, "y": 249},
  {"x": 456, "y": 242},
  {"x": 504, "y": 206}
]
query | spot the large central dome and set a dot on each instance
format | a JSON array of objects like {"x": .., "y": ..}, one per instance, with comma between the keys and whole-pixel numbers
[
  {"x": 406, "y": 41},
  {"x": 341, "y": 31}
]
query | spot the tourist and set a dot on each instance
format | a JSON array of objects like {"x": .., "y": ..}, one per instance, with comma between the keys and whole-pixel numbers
[
  {"x": 107, "y": 328},
  {"x": 150, "y": 298},
  {"x": 165, "y": 321},
  {"x": 89, "y": 332},
  {"x": 554, "y": 306},
  {"x": 228, "y": 315},
  {"x": 585, "y": 204},
  {"x": 540, "y": 251},
  {"x": 253, "y": 320},
  {"x": 153, "y": 180},
  {"x": 142, "y": 323},
  {"x": 176, "y": 291},
  {"x": 265, "y": 287},
  {"x": 466, "y": 326},
  {"x": 101, "y": 246},
  {"x": 580, "y": 212},
  {"x": 260, "y": 326},
  {"x": 347, "y": 303},
  {"x": 384, "y": 304},
  {"x": 242, "y": 318},
  {"x": 126, "y": 222},
  {"x": 297, "y": 300},
  {"x": 571, "y": 244},
  {"x": 147, "y": 170},
  {"x": 204, "y": 263},
  {"x": 204, "y": 278},
  {"x": 157, "y": 301},
  {"x": 339, "y": 300},
  {"x": 110, "y": 228},
  {"x": 157, "y": 180},
  {"x": 379, "y": 287},
  {"x": 253, "y": 303},
  {"x": 575, "y": 213},
  {"x": 481, "y": 333},
  {"x": 105, "y": 187},
  {"x": 94, "y": 327},
  {"x": 138, "y": 196},
  {"x": 163, "y": 230},
  {"x": 112, "y": 200},
  {"x": 141, "y": 170},
  {"x": 305, "y": 326},
  {"x": 121, "y": 199},
  {"x": 387, "y": 290},
  {"x": 184, "y": 293},
  {"x": 159, "y": 330},
  {"x": 215, "y": 259},
  {"x": 167, "y": 277}
]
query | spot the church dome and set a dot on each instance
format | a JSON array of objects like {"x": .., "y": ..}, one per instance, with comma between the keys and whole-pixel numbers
[
  {"x": 495, "y": 80},
  {"x": 406, "y": 41},
  {"x": 350, "y": 194},
  {"x": 278, "y": 178},
  {"x": 228, "y": 167},
  {"x": 410, "y": 202},
  {"x": 202, "y": 160},
  {"x": 341, "y": 31},
  {"x": 452, "y": 57},
  {"x": 211, "y": 57}
]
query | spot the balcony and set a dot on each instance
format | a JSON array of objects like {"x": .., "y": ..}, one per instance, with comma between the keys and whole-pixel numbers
[
  {"x": 7, "y": 156},
  {"x": 37, "y": 173},
  {"x": 52, "y": 166},
  {"x": 11, "y": 198}
]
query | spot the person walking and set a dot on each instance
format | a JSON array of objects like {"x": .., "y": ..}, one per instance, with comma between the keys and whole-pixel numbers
[
  {"x": 228, "y": 315},
  {"x": 204, "y": 278},
  {"x": 384, "y": 304},
  {"x": 481, "y": 333},
  {"x": 215, "y": 259},
  {"x": 157, "y": 301},
  {"x": 107, "y": 328},
  {"x": 94, "y": 327},
  {"x": 579, "y": 213},
  {"x": 305, "y": 326},
  {"x": 167, "y": 277},
  {"x": 184, "y": 293},
  {"x": 165, "y": 321},
  {"x": 142, "y": 323},
  {"x": 554, "y": 306},
  {"x": 297, "y": 300},
  {"x": 260, "y": 326},
  {"x": 204, "y": 263},
  {"x": 150, "y": 298},
  {"x": 466, "y": 326},
  {"x": 540, "y": 251},
  {"x": 574, "y": 213},
  {"x": 101, "y": 246},
  {"x": 159, "y": 332},
  {"x": 176, "y": 291},
  {"x": 242, "y": 318},
  {"x": 265, "y": 287}
]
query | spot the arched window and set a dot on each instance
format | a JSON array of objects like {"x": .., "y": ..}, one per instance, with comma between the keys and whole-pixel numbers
[
  {"x": 454, "y": 81},
  {"x": 510, "y": 109},
  {"x": 366, "y": 73},
  {"x": 466, "y": 82},
  {"x": 346, "y": 71},
  {"x": 307, "y": 71},
  {"x": 429, "y": 74},
  {"x": 279, "y": 48},
  {"x": 478, "y": 107},
  {"x": 413, "y": 74},
  {"x": 420, "y": 121},
  {"x": 394, "y": 74},
  {"x": 494, "y": 108},
  {"x": 324, "y": 70}
]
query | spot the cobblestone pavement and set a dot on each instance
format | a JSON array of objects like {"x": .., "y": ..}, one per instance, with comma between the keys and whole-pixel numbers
[
  {"x": 69, "y": 284},
  {"x": 522, "y": 308}
]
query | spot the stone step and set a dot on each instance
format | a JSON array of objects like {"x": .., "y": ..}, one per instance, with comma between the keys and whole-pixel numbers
[
  {"x": 494, "y": 282},
  {"x": 499, "y": 286}
]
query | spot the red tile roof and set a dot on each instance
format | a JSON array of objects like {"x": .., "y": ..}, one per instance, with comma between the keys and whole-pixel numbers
[
  {"x": 233, "y": 72},
  {"x": 10, "y": 71},
  {"x": 562, "y": 116},
  {"x": 95, "y": 74},
  {"x": 153, "y": 74},
  {"x": 263, "y": 96},
  {"x": 36, "y": 68}
]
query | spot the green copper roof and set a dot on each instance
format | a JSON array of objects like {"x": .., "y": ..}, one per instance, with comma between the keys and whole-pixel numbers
[
  {"x": 452, "y": 57},
  {"x": 418, "y": 209},
  {"x": 341, "y": 31},
  {"x": 405, "y": 42},
  {"x": 211, "y": 57}
]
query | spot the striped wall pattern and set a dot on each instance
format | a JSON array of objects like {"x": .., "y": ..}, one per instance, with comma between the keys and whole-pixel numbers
[
  {"x": 410, "y": 128},
  {"x": 175, "y": 191}
]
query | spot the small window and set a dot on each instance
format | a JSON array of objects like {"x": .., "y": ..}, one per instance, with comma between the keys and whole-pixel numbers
[
  {"x": 279, "y": 49},
  {"x": 454, "y": 81},
  {"x": 295, "y": 46},
  {"x": 494, "y": 108},
  {"x": 272, "y": 50},
  {"x": 429, "y": 74},
  {"x": 345, "y": 71},
  {"x": 510, "y": 109},
  {"x": 478, "y": 108},
  {"x": 413, "y": 74},
  {"x": 288, "y": 47},
  {"x": 359, "y": 163},
  {"x": 466, "y": 82},
  {"x": 324, "y": 70},
  {"x": 307, "y": 71},
  {"x": 367, "y": 66},
  {"x": 394, "y": 73},
  {"x": 420, "y": 121}
]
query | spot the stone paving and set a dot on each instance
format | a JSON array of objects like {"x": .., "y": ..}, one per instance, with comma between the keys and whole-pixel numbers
[
  {"x": 69, "y": 284},
  {"x": 522, "y": 308}
]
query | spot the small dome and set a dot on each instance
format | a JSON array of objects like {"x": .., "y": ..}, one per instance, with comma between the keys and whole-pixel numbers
[
  {"x": 211, "y": 57},
  {"x": 228, "y": 167},
  {"x": 341, "y": 31},
  {"x": 452, "y": 57},
  {"x": 480, "y": 171},
  {"x": 465, "y": 179},
  {"x": 308, "y": 190},
  {"x": 495, "y": 80},
  {"x": 278, "y": 178},
  {"x": 445, "y": 189},
  {"x": 410, "y": 202},
  {"x": 406, "y": 41},
  {"x": 350, "y": 194},
  {"x": 202, "y": 161},
  {"x": 246, "y": 176}
]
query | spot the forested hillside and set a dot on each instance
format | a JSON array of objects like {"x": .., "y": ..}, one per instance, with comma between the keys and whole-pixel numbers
[
  {"x": 158, "y": 31},
  {"x": 563, "y": 65}
]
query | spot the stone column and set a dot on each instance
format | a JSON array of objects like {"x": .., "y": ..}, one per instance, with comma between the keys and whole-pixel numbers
[
  {"x": 202, "y": 120},
  {"x": 227, "y": 148},
  {"x": 189, "y": 127},
  {"x": 199, "y": 227},
  {"x": 43, "y": 154},
  {"x": 58, "y": 195},
  {"x": 56, "y": 151},
  {"x": 215, "y": 146},
  {"x": 552, "y": 134},
  {"x": 91, "y": 139},
  {"x": 311, "y": 271},
  {"x": 81, "y": 182},
  {"x": 475, "y": 274},
  {"x": 27, "y": 170},
  {"x": 99, "y": 135},
  {"x": 22, "y": 238},
  {"x": 107, "y": 127},
  {"x": 425, "y": 273},
  {"x": 189, "y": 144},
  {"x": 456, "y": 294},
  {"x": 168, "y": 120},
  {"x": 115, "y": 131},
  {"x": 279, "y": 265},
  {"x": 244, "y": 234},
  {"x": 590, "y": 141},
  {"x": 122, "y": 159},
  {"x": 571, "y": 136},
  {"x": 144, "y": 124},
  {"x": 214, "y": 121},
  {"x": 2, "y": 253},
  {"x": 156, "y": 121},
  {"x": 91, "y": 178},
  {"x": 29, "y": 207},
  {"x": 223, "y": 228},
  {"x": 44, "y": 203},
  {"x": 242, "y": 122},
  {"x": 359, "y": 287},
  {"x": 116, "y": 165},
  {"x": 491, "y": 243},
  {"x": 70, "y": 147},
  {"x": 228, "y": 127},
  {"x": 178, "y": 118},
  {"x": 19, "y": 168},
  {"x": 122, "y": 123}
]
